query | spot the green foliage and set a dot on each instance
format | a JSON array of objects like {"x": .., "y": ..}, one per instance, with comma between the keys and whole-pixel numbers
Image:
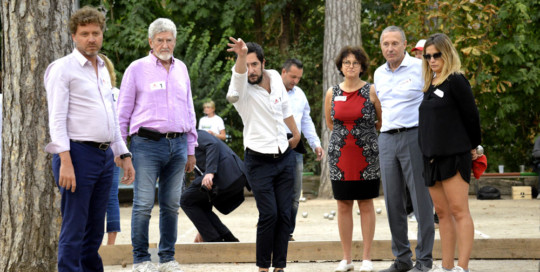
[
  {"x": 499, "y": 47},
  {"x": 513, "y": 110},
  {"x": 203, "y": 30},
  {"x": 498, "y": 42}
]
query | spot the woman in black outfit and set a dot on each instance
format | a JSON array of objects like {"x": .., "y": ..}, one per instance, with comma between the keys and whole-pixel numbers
[{"x": 449, "y": 131}]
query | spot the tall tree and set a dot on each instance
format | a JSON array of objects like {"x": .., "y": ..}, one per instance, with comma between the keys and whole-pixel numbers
[
  {"x": 341, "y": 28},
  {"x": 34, "y": 34}
]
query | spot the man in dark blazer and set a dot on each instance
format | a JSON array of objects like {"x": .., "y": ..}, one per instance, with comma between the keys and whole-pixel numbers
[{"x": 219, "y": 182}]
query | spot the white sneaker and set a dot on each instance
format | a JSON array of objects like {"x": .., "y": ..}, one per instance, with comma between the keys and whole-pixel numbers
[
  {"x": 367, "y": 266},
  {"x": 437, "y": 268},
  {"x": 458, "y": 269},
  {"x": 144, "y": 267},
  {"x": 171, "y": 266},
  {"x": 343, "y": 266}
]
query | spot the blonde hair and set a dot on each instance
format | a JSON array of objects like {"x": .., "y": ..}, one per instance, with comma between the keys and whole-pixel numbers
[
  {"x": 451, "y": 64},
  {"x": 110, "y": 68},
  {"x": 210, "y": 104}
]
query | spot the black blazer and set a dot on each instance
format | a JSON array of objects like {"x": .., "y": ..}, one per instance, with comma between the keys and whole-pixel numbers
[{"x": 214, "y": 156}]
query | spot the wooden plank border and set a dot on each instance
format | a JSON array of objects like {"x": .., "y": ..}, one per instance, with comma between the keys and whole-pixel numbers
[{"x": 320, "y": 251}]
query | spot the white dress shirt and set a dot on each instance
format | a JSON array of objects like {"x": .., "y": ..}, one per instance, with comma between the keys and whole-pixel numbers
[
  {"x": 400, "y": 93},
  {"x": 301, "y": 112},
  {"x": 262, "y": 113},
  {"x": 81, "y": 105}
]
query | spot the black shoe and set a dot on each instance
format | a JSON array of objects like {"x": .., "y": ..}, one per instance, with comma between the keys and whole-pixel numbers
[
  {"x": 229, "y": 237},
  {"x": 418, "y": 267},
  {"x": 398, "y": 266},
  {"x": 218, "y": 240},
  {"x": 278, "y": 270}
]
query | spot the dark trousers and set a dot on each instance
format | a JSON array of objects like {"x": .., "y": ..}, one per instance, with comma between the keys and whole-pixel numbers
[
  {"x": 272, "y": 183},
  {"x": 198, "y": 208},
  {"x": 83, "y": 211}
]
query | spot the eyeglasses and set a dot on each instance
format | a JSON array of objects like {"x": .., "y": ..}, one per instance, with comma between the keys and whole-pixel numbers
[
  {"x": 159, "y": 41},
  {"x": 435, "y": 56},
  {"x": 348, "y": 64}
]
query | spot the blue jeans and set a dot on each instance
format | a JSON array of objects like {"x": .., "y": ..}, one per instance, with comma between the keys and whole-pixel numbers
[
  {"x": 113, "y": 207},
  {"x": 164, "y": 159},
  {"x": 297, "y": 187},
  {"x": 272, "y": 183},
  {"x": 83, "y": 211}
]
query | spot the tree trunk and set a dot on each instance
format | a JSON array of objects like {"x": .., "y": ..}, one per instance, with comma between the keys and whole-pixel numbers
[
  {"x": 34, "y": 34},
  {"x": 285, "y": 29},
  {"x": 258, "y": 22},
  {"x": 341, "y": 28}
]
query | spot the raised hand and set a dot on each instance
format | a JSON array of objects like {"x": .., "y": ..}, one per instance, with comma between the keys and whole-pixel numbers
[{"x": 237, "y": 46}]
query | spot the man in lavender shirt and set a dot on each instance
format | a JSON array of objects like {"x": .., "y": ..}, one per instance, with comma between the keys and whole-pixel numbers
[
  {"x": 85, "y": 137},
  {"x": 155, "y": 108}
]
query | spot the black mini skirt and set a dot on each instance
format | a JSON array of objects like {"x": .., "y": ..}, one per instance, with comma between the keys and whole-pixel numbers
[{"x": 444, "y": 167}]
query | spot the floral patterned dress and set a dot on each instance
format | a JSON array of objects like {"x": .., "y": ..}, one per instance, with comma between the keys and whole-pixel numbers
[{"x": 353, "y": 150}]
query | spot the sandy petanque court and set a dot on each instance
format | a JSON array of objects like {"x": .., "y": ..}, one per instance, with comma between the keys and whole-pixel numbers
[{"x": 507, "y": 238}]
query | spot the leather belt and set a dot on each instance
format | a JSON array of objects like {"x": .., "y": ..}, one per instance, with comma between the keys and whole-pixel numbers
[
  {"x": 265, "y": 155},
  {"x": 156, "y": 135},
  {"x": 171, "y": 135},
  {"x": 399, "y": 130},
  {"x": 103, "y": 146}
]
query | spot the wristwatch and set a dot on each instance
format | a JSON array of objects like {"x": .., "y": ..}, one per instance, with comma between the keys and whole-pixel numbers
[{"x": 126, "y": 155}]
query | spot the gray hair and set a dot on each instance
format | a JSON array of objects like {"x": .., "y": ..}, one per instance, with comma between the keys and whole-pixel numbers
[
  {"x": 161, "y": 25},
  {"x": 394, "y": 29}
]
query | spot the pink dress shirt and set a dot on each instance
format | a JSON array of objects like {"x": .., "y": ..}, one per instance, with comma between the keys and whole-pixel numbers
[
  {"x": 153, "y": 98},
  {"x": 81, "y": 104}
]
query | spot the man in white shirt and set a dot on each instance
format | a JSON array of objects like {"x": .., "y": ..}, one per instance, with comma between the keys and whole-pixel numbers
[
  {"x": 262, "y": 102},
  {"x": 291, "y": 73},
  {"x": 399, "y": 85},
  {"x": 85, "y": 139}
]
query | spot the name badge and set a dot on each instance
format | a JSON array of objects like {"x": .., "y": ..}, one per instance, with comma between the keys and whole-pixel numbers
[
  {"x": 439, "y": 93},
  {"x": 340, "y": 98},
  {"x": 405, "y": 82},
  {"x": 158, "y": 85}
]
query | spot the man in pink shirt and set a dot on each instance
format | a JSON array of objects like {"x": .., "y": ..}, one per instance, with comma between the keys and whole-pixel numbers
[
  {"x": 155, "y": 108},
  {"x": 85, "y": 138}
]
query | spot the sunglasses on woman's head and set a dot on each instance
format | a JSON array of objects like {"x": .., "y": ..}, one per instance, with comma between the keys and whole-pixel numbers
[{"x": 435, "y": 56}]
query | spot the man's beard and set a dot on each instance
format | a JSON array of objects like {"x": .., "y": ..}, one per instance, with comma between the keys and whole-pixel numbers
[
  {"x": 89, "y": 52},
  {"x": 257, "y": 81},
  {"x": 164, "y": 56}
]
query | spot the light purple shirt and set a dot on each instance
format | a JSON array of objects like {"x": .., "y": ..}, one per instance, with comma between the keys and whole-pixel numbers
[
  {"x": 81, "y": 104},
  {"x": 153, "y": 98}
]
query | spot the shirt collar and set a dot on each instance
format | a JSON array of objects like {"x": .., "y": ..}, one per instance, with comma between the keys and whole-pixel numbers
[
  {"x": 293, "y": 90},
  {"x": 156, "y": 60},
  {"x": 82, "y": 60},
  {"x": 405, "y": 62}
]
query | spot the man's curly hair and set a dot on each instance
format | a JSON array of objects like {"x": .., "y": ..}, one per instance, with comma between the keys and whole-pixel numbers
[{"x": 84, "y": 16}]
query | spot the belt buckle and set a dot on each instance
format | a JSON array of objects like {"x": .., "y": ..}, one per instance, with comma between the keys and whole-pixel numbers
[
  {"x": 276, "y": 156},
  {"x": 399, "y": 130},
  {"x": 170, "y": 135},
  {"x": 104, "y": 146}
]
